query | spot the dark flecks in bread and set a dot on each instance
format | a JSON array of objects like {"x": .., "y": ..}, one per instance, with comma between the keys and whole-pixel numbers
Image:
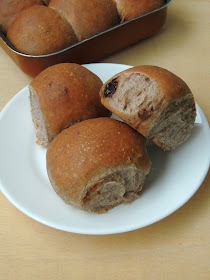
[
  {"x": 155, "y": 102},
  {"x": 111, "y": 88}
]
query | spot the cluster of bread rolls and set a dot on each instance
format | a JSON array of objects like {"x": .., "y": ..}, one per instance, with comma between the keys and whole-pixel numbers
[
  {"x": 94, "y": 162},
  {"x": 35, "y": 29}
]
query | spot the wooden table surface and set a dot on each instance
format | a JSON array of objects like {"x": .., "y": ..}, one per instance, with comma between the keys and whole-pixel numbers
[{"x": 177, "y": 247}]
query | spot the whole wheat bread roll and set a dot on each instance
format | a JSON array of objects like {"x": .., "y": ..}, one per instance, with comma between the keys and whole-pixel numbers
[
  {"x": 62, "y": 95},
  {"x": 129, "y": 9},
  {"x": 153, "y": 101},
  {"x": 98, "y": 164},
  {"x": 10, "y": 9},
  {"x": 40, "y": 30},
  {"x": 87, "y": 17}
]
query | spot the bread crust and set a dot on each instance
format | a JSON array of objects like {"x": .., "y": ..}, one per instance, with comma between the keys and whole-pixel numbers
[
  {"x": 87, "y": 17},
  {"x": 40, "y": 30},
  {"x": 10, "y": 9},
  {"x": 80, "y": 155},
  {"x": 129, "y": 9},
  {"x": 67, "y": 93},
  {"x": 169, "y": 88}
]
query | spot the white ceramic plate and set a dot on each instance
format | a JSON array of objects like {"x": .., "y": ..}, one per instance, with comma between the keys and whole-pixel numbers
[{"x": 175, "y": 176}]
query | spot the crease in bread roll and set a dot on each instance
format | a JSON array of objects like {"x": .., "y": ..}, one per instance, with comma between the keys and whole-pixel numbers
[
  {"x": 40, "y": 30},
  {"x": 87, "y": 18},
  {"x": 118, "y": 185},
  {"x": 10, "y": 9},
  {"x": 121, "y": 184},
  {"x": 98, "y": 164},
  {"x": 46, "y": 2},
  {"x": 61, "y": 96},
  {"x": 154, "y": 101},
  {"x": 128, "y": 9}
]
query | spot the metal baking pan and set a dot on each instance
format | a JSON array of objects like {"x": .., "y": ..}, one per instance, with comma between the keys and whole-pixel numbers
[{"x": 94, "y": 48}]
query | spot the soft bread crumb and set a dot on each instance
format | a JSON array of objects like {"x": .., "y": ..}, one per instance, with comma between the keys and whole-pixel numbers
[
  {"x": 38, "y": 119},
  {"x": 153, "y": 101},
  {"x": 175, "y": 123},
  {"x": 115, "y": 187}
]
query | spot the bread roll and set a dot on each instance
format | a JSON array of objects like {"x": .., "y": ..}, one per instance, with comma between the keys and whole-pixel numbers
[
  {"x": 154, "y": 101},
  {"x": 40, "y": 30},
  {"x": 10, "y": 9},
  {"x": 87, "y": 17},
  {"x": 62, "y": 95},
  {"x": 98, "y": 164},
  {"x": 129, "y": 9}
]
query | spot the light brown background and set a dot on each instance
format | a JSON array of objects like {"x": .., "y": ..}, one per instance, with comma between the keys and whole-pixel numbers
[{"x": 177, "y": 247}]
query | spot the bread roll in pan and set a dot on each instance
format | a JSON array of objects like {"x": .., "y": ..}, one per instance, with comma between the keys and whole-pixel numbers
[{"x": 94, "y": 48}]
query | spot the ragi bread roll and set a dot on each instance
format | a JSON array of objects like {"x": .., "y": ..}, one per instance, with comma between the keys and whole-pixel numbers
[
  {"x": 153, "y": 101},
  {"x": 98, "y": 164},
  {"x": 61, "y": 96}
]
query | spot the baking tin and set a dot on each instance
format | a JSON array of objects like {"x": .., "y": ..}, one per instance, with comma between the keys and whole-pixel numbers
[{"x": 94, "y": 48}]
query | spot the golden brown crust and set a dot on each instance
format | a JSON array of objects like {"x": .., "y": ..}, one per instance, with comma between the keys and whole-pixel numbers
[
  {"x": 129, "y": 9},
  {"x": 169, "y": 88},
  {"x": 40, "y": 30},
  {"x": 67, "y": 93},
  {"x": 169, "y": 85},
  {"x": 86, "y": 149},
  {"x": 87, "y": 17},
  {"x": 10, "y": 9}
]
